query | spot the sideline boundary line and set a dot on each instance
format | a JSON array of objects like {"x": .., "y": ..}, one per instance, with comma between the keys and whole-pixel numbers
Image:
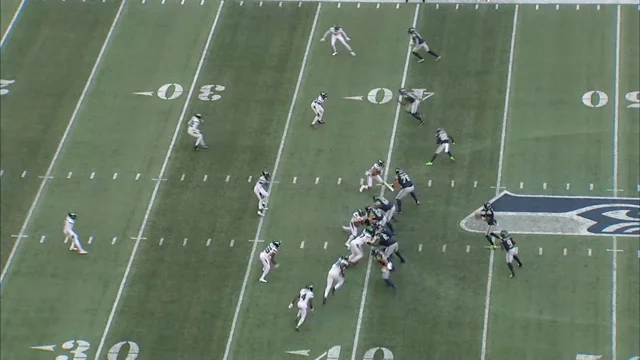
[{"x": 12, "y": 23}]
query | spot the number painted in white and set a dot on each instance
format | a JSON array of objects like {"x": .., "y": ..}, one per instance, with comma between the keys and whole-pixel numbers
[
  {"x": 207, "y": 92},
  {"x": 634, "y": 358},
  {"x": 3, "y": 85},
  {"x": 634, "y": 98},
  {"x": 371, "y": 353},
  {"x": 176, "y": 91},
  {"x": 114, "y": 352},
  {"x": 422, "y": 93},
  {"x": 588, "y": 357},
  {"x": 587, "y": 99},
  {"x": 77, "y": 348},
  {"x": 387, "y": 95}
]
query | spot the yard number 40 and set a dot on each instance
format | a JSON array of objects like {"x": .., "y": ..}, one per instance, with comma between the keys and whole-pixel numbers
[{"x": 334, "y": 354}]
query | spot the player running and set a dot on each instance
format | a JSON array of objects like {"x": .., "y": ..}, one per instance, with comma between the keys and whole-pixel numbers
[
  {"x": 193, "y": 129},
  {"x": 336, "y": 274},
  {"x": 304, "y": 301},
  {"x": 337, "y": 33},
  {"x": 509, "y": 246},
  {"x": 268, "y": 259},
  {"x": 318, "y": 109},
  {"x": 374, "y": 174},
  {"x": 406, "y": 187},
  {"x": 444, "y": 142},
  {"x": 410, "y": 102},
  {"x": 418, "y": 43},
  {"x": 261, "y": 189},
  {"x": 487, "y": 214},
  {"x": 357, "y": 218},
  {"x": 69, "y": 222}
]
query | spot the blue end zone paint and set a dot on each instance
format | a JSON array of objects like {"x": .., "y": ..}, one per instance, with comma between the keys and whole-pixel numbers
[
  {"x": 12, "y": 23},
  {"x": 562, "y": 215}
]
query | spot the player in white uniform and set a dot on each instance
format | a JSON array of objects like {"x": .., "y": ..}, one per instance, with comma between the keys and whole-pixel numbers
[
  {"x": 69, "y": 222},
  {"x": 356, "y": 244},
  {"x": 268, "y": 259},
  {"x": 336, "y": 274},
  {"x": 193, "y": 129},
  {"x": 374, "y": 174},
  {"x": 304, "y": 301},
  {"x": 357, "y": 219},
  {"x": 337, "y": 33},
  {"x": 318, "y": 110},
  {"x": 261, "y": 191}
]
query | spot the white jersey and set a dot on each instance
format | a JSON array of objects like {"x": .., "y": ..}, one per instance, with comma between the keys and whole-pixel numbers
[
  {"x": 335, "y": 31},
  {"x": 356, "y": 218},
  {"x": 262, "y": 182},
  {"x": 375, "y": 169},
  {"x": 340, "y": 265},
  {"x": 319, "y": 100},
  {"x": 305, "y": 296},
  {"x": 194, "y": 123},
  {"x": 271, "y": 249},
  {"x": 68, "y": 224}
]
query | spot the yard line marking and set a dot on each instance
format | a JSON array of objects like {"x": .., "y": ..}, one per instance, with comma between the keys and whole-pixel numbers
[
  {"x": 539, "y": 251},
  {"x": 90, "y": 241},
  {"x": 475, "y": 184},
  {"x": 227, "y": 178},
  {"x": 204, "y": 178},
  {"x": 589, "y": 252},
  {"x": 157, "y": 185},
  {"x": 276, "y": 165},
  {"x": 429, "y": 183},
  {"x": 208, "y": 242},
  {"x": 69, "y": 175},
  {"x": 24, "y": 174},
  {"x": 161, "y": 241},
  {"x": 231, "y": 243},
  {"x": 43, "y": 237},
  {"x": 249, "y": 179},
  {"x": 184, "y": 242},
  {"x": 302, "y": 244},
  {"x": 92, "y": 176},
  {"x": 444, "y": 248},
  {"x": 505, "y": 117},
  {"x": 317, "y": 180},
  {"x": 182, "y": 177},
  {"x": 544, "y": 186},
  {"x": 137, "y": 176},
  {"x": 12, "y": 23},
  {"x": 521, "y": 185},
  {"x": 591, "y": 187},
  {"x": 339, "y": 181},
  {"x": 468, "y": 250},
  {"x": 568, "y": 186},
  {"x": 295, "y": 179},
  {"x": 113, "y": 240},
  {"x": 76, "y": 110},
  {"x": 394, "y": 130},
  {"x": 115, "y": 176},
  {"x": 614, "y": 260},
  {"x": 564, "y": 252},
  {"x": 453, "y": 183},
  {"x": 420, "y": 248}
]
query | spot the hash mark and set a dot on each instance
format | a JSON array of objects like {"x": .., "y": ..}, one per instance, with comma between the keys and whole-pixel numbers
[
  {"x": 260, "y": 3},
  {"x": 638, "y": 254},
  {"x": 137, "y": 176},
  {"x": 444, "y": 248},
  {"x": 136, "y": 238},
  {"x": 339, "y": 5},
  {"x": 1, "y": 172},
  {"x": 201, "y": 2},
  {"x": 182, "y": 2},
  {"x": 453, "y": 183},
  {"x": 249, "y": 180},
  {"x": 227, "y": 178},
  {"x": 339, "y": 181},
  {"x": 113, "y": 241},
  {"x": 325, "y": 245},
  {"x": 638, "y": 187},
  {"x": 557, "y": 7},
  {"x": 358, "y": 6},
  {"x": 617, "y": 250},
  {"x": 24, "y": 173},
  {"x": 429, "y": 183},
  {"x": 521, "y": 185},
  {"x": 378, "y": 6},
  {"x": 115, "y": 176},
  {"x": 143, "y": 1},
  {"x": 184, "y": 242},
  {"x": 295, "y": 179},
  {"x": 544, "y": 186},
  {"x": 564, "y": 252},
  {"x": 475, "y": 184},
  {"x": 19, "y": 236},
  {"x": 598, "y": 7},
  {"x": 577, "y": 7},
  {"x": 361, "y": 181},
  {"x": 591, "y": 187},
  {"x": 163, "y": 1},
  {"x": 468, "y": 249},
  {"x": 302, "y": 244},
  {"x": 69, "y": 175},
  {"x": 90, "y": 240},
  {"x": 437, "y": 6},
  {"x": 204, "y": 178},
  {"x": 496, "y": 6},
  {"x": 317, "y": 180},
  {"x": 42, "y": 239},
  {"x": 241, "y": 2},
  {"x": 539, "y": 251},
  {"x": 208, "y": 242},
  {"x": 231, "y": 243},
  {"x": 420, "y": 248},
  {"x": 397, "y": 6},
  {"x": 161, "y": 241},
  {"x": 45, "y": 177},
  {"x": 476, "y": 6},
  {"x": 66, "y": 239},
  {"x": 588, "y": 252},
  {"x": 300, "y": 4},
  {"x": 182, "y": 177},
  {"x": 537, "y": 6},
  {"x": 280, "y": 4},
  {"x": 457, "y": 6},
  {"x": 92, "y": 176}
]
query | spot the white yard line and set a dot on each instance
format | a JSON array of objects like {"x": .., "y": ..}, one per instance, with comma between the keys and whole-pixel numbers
[
  {"x": 139, "y": 237},
  {"x": 505, "y": 117},
  {"x": 285, "y": 133},
  {"x": 365, "y": 287},
  {"x": 12, "y": 23},
  {"x": 72, "y": 120},
  {"x": 614, "y": 260}
]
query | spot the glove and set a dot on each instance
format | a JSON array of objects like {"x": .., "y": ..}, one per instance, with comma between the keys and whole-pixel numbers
[
  {"x": 322, "y": 40},
  {"x": 290, "y": 306}
]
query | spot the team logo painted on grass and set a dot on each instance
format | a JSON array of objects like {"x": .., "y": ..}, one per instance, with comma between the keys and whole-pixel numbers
[{"x": 562, "y": 215}]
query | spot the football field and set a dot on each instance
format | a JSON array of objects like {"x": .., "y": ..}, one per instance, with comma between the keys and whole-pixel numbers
[{"x": 542, "y": 98}]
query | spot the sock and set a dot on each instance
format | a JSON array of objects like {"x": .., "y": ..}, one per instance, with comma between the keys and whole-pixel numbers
[
  {"x": 417, "y": 116},
  {"x": 348, "y": 47},
  {"x": 300, "y": 321},
  {"x": 390, "y": 227},
  {"x": 414, "y": 196},
  {"x": 417, "y": 55},
  {"x": 264, "y": 273},
  {"x": 399, "y": 205},
  {"x": 517, "y": 259},
  {"x": 334, "y": 48},
  {"x": 390, "y": 283},
  {"x": 450, "y": 154},
  {"x": 433, "y": 158},
  {"x": 489, "y": 240},
  {"x": 511, "y": 268},
  {"x": 315, "y": 120},
  {"x": 399, "y": 256},
  {"x": 433, "y": 53}
]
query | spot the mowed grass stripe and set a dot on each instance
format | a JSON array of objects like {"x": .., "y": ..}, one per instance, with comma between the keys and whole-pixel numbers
[
  {"x": 61, "y": 144},
  {"x": 157, "y": 186},
  {"x": 274, "y": 172}
]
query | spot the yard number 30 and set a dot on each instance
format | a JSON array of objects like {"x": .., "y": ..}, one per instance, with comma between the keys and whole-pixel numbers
[{"x": 78, "y": 348}]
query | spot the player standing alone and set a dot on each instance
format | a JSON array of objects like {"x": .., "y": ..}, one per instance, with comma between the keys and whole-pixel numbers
[
  {"x": 304, "y": 301},
  {"x": 444, "y": 142},
  {"x": 318, "y": 109},
  {"x": 69, "y": 222},
  {"x": 418, "y": 43},
  {"x": 193, "y": 129},
  {"x": 509, "y": 245},
  {"x": 337, "y": 33}
]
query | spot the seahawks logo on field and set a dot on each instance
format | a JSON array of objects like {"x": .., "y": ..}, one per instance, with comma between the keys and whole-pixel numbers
[{"x": 562, "y": 215}]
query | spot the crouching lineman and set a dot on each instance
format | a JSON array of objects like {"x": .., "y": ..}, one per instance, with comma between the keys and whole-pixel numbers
[
  {"x": 444, "y": 142},
  {"x": 410, "y": 102},
  {"x": 268, "y": 259},
  {"x": 388, "y": 210},
  {"x": 358, "y": 218},
  {"x": 509, "y": 246},
  {"x": 387, "y": 268},
  {"x": 387, "y": 244},
  {"x": 69, "y": 222},
  {"x": 406, "y": 187},
  {"x": 304, "y": 301},
  {"x": 337, "y": 33},
  {"x": 193, "y": 129},
  {"x": 261, "y": 191},
  {"x": 336, "y": 274},
  {"x": 374, "y": 174},
  {"x": 357, "y": 244}
]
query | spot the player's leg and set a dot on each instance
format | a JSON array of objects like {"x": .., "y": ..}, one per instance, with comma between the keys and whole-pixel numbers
[
  {"x": 487, "y": 235},
  {"x": 354, "y": 233},
  {"x": 356, "y": 252},
  {"x": 342, "y": 40},
  {"x": 516, "y": 257},
  {"x": 395, "y": 248},
  {"x": 340, "y": 281},
  {"x": 431, "y": 52},
  {"x": 266, "y": 266},
  {"x": 329, "y": 286},
  {"x": 447, "y": 149},
  {"x": 509, "y": 257},
  {"x": 369, "y": 183},
  {"x": 413, "y": 110},
  {"x": 386, "y": 276},
  {"x": 414, "y": 52},
  {"x": 303, "y": 315},
  {"x": 75, "y": 240},
  {"x": 333, "y": 45},
  {"x": 438, "y": 151}
]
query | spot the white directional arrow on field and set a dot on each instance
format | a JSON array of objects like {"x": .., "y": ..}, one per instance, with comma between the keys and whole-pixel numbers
[
  {"x": 145, "y": 93},
  {"x": 299, "y": 352},
  {"x": 44, "y": 347},
  {"x": 353, "y": 98}
]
